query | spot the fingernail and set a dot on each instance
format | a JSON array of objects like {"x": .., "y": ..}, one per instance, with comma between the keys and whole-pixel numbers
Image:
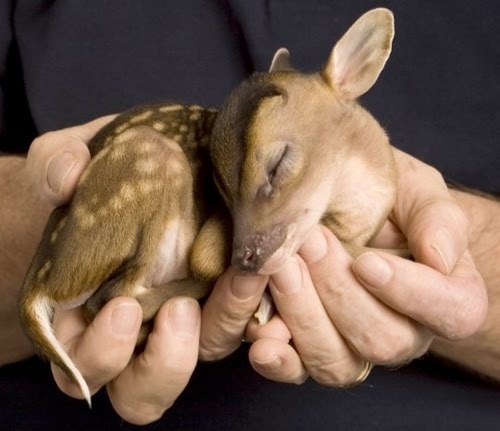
[
  {"x": 315, "y": 246},
  {"x": 245, "y": 287},
  {"x": 289, "y": 279},
  {"x": 183, "y": 317},
  {"x": 372, "y": 269},
  {"x": 58, "y": 170},
  {"x": 271, "y": 363},
  {"x": 124, "y": 319},
  {"x": 443, "y": 245}
]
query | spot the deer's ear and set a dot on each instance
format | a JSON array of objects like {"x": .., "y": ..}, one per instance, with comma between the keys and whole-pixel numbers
[
  {"x": 360, "y": 55},
  {"x": 281, "y": 61}
]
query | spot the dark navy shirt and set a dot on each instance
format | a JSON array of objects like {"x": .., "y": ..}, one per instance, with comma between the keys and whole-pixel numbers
[{"x": 66, "y": 62}]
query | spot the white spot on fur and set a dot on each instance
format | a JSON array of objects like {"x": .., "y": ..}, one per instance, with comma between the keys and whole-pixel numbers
[
  {"x": 116, "y": 203},
  {"x": 84, "y": 218},
  {"x": 146, "y": 166},
  {"x": 195, "y": 116},
  {"x": 159, "y": 126},
  {"x": 127, "y": 192},
  {"x": 145, "y": 148},
  {"x": 144, "y": 187},
  {"x": 126, "y": 136},
  {"x": 53, "y": 237},
  {"x": 171, "y": 108},
  {"x": 44, "y": 270},
  {"x": 148, "y": 186},
  {"x": 141, "y": 117},
  {"x": 121, "y": 128},
  {"x": 118, "y": 152}
]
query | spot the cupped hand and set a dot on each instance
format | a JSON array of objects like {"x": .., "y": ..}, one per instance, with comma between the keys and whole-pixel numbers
[
  {"x": 343, "y": 314},
  {"x": 141, "y": 387}
]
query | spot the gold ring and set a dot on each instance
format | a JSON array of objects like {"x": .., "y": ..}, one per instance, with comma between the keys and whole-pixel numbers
[{"x": 365, "y": 372}]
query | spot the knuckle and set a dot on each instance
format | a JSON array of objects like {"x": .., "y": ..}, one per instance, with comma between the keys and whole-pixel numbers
[
  {"x": 39, "y": 142},
  {"x": 218, "y": 344},
  {"x": 388, "y": 346},
  {"x": 469, "y": 312},
  {"x": 181, "y": 368},
  {"x": 333, "y": 378},
  {"x": 466, "y": 319},
  {"x": 381, "y": 354},
  {"x": 293, "y": 376},
  {"x": 337, "y": 374},
  {"x": 39, "y": 145},
  {"x": 435, "y": 175},
  {"x": 139, "y": 407},
  {"x": 236, "y": 315},
  {"x": 222, "y": 337},
  {"x": 103, "y": 368},
  {"x": 179, "y": 363},
  {"x": 232, "y": 323},
  {"x": 65, "y": 384},
  {"x": 140, "y": 415},
  {"x": 213, "y": 352}
]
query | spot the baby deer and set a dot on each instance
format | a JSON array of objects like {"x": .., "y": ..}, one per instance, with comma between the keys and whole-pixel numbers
[{"x": 288, "y": 150}]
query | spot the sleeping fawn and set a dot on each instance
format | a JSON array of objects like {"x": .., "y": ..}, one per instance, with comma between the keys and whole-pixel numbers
[{"x": 175, "y": 193}]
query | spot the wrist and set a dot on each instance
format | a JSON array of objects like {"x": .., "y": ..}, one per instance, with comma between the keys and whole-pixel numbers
[
  {"x": 23, "y": 215},
  {"x": 483, "y": 213},
  {"x": 481, "y": 351}
]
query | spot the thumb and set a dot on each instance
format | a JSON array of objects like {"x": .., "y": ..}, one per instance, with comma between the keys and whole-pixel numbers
[
  {"x": 56, "y": 160},
  {"x": 427, "y": 214}
]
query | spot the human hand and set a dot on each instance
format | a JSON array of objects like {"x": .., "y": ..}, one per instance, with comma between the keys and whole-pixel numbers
[
  {"x": 30, "y": 188},
  {"x": 27, "y": 201},
  {"x": 137, "y": 386},
  {"x": 140, "y": 387},
  {"x": 343, "y": 314}
]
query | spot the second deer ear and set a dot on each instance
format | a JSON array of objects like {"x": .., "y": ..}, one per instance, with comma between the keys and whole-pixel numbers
[
  {"x": 281, "y": 61},
  {"x": 360, "y": 55}
]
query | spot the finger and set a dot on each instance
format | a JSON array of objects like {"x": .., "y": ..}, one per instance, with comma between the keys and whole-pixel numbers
[
  {"x": 389, "y": 236},
  {"x": 227, "y": 312},
  {"x": 274, "y": 329},
  {"x": 116, "y": 327},
  {"x": 435, "y": 225},
  {"x": 375, "y": 331},
  {"x": 453, "y": 306},
  {"x": 57, "y": 159},
  {"x": 151, "y": 383},
  {"x": 277, "y": 360},
  {"x": 271, "y": 355},
  {"x": 325, "y": 354}
]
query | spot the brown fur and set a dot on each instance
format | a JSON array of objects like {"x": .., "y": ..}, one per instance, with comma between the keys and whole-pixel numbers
[{"x": 288, "y": 150}]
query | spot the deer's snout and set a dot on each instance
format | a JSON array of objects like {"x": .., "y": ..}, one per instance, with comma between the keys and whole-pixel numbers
[{"x": 250, "y": 252}]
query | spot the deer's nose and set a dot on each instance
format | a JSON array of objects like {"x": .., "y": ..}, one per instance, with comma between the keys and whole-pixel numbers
[{"x": 246, "y": 259}]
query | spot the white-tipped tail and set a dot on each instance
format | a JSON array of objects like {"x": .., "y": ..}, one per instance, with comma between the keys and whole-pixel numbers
[{"x": 42, "y": 309}]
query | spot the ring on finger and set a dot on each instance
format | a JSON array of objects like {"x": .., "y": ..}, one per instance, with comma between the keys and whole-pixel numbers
[{"x": 365, "y": 372}]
